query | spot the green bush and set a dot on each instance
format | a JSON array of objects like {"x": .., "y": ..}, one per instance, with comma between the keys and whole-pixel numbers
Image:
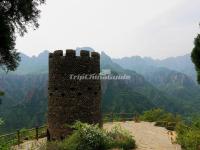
[
  {"x": 91, "y": 137},
  {"x": 1, "y": 93},
  {"x": 6, "y": 144},
  {"x": 162, "y": 118},
  {"x": 189, "y": 136},
  {"x": 26, "y": 134},
  {"x": 121, "y": 139},
  {"x": 158, "y": 114}
]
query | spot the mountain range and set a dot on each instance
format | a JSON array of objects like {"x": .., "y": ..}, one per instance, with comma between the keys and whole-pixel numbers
[
  {"x": 146, "y": 65},
  {"x": 154, "y": 83}
]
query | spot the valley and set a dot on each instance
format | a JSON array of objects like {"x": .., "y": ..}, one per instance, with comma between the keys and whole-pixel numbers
[{"x": 25, "y": 102}]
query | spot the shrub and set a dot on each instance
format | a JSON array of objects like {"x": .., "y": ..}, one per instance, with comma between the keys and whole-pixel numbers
[
  {"x": 121, "y": 139},
  {"x": 189, "y": 136},
  {"x": 162, "y": 118},
  {"x": 152, "y": 115},
  {"x": 4, "y": 145},
  {"x": 158, "y": 114},
  {"x": 91, "y": 137}
]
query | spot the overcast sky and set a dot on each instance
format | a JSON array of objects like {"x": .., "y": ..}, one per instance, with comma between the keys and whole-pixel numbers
[{"x": 155, "y": 28}]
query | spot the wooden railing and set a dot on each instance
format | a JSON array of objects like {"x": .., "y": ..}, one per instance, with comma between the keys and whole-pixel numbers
[
  {"x": 110, "y": 117},
  {"x": 20, "y": 136}
]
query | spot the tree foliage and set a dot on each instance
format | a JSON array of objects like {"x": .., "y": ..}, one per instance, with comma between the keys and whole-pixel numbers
[
  {"x": 188, "y": 136},
  {"x": 1, "y": 93},
  {"x": 196, "y": 56},
  {"x": 15, "y": 16}
]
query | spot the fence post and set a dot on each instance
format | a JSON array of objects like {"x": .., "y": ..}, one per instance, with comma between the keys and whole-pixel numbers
[
  {"x": 120, "y": 117},
  {"x": 36, "y": 133},
  {"x": 18, "y": 137}
]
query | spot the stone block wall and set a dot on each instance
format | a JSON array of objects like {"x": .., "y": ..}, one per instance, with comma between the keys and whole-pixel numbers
[{"x": 70, "y": 100}]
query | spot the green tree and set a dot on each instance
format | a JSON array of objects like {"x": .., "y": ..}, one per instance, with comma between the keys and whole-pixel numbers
[
  {"x": 15, "y": 17},
  {"x": 1, "y": 93},
  {"x": 196, "y": 56}
]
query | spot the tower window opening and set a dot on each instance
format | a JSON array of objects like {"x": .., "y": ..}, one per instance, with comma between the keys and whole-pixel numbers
[
  {"x": 72, "y": 89},
  {"x": 89, "y": 88}
]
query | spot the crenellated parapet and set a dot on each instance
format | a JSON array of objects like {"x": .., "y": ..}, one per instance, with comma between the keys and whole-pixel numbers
[
  {"x": 70, "y": 63},
  {"x": 71, "y": 54}
]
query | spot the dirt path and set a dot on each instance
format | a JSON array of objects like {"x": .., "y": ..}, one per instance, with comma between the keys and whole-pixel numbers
[
  {"x": 31, "y": 145},
  {"x": 147, "y": 136}
]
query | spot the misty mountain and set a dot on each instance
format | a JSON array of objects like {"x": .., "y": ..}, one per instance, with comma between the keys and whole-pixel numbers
[
  {"x": 38, "y": 64},
  {"x": 175, "y": 76},
  {"x": 25, "y": 102},
  {"x": 147, "y": 65},
  {"x": 33, "y": 65},
  {"x": 137, "y": 85}
]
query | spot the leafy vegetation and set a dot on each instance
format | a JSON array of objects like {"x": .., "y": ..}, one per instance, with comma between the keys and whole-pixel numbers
[
  {"x": 90, "y": 137},
  {"x": 15, "y": 16},
  {"x": 189, "y": 135},
  {"x": 196, "y": 56},
  {"x": 161, "y": 117},
  {"x": 158, "y": 114},
  {"x": 1, "y": 93},
  {"x": 7, "y": 141},
  {"x": 121, "y": 138}
]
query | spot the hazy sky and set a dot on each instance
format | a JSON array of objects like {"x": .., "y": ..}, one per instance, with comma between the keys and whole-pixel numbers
[{"x": 156, "y": 28}]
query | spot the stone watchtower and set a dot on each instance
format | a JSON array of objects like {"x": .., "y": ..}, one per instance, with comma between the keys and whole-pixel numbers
[{"x": 71, "y": 99}]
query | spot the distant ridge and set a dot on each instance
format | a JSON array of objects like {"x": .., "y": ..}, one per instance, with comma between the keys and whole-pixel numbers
[{"x": 144, "y": 65}]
